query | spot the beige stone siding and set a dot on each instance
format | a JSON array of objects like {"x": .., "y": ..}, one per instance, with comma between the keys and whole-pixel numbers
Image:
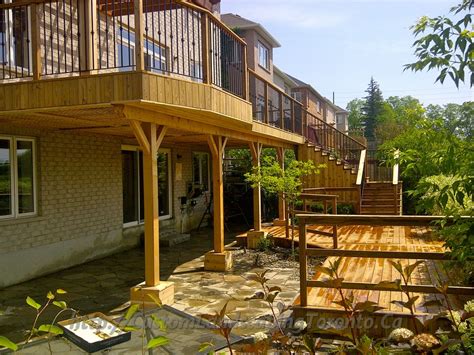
[{"x": 79, "y": 181}]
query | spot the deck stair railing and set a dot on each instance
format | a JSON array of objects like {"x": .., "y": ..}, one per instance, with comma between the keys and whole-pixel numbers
[
  {"x": 54, "y": 38},
  {"x": 274, "y": 107},
  {"x": 306, "y": 221}
]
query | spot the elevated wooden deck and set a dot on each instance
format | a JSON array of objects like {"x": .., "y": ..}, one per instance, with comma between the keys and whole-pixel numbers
[{"x": 374, "y": 270}]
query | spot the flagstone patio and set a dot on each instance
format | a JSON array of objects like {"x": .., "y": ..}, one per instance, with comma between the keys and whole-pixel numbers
[{"x": 103, "y": 285}]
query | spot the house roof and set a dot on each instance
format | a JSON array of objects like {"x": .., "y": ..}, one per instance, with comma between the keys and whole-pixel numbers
[
  {"x": 302, "y": 84},
  {"x": 207, "y": 4},
  {"x": 284, "y": 75},
  {"x": 238, "y": 22}
]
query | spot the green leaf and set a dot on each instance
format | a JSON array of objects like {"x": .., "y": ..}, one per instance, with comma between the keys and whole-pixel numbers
[
  {"x": 32, "y": 303},
  {"x": 129, "y": 328},
  {"x": 397, "y": 265},
  {"x": 410, "y": 268},
  {"x": 6, "y": 343},
  {"x": 155, "y": 299},
  {"x": 324, "y": 270},
  {"x": 50, "y": 295},
  {"x": 257, "y": 296},
  {"x": 60, "y": 291},
  {"x": 274, "y": 288},
  {"x": 367, "y": 306},
  {"x": 131, "y": 311},
  {"x": 390, "y": 285},
  {"x": 159, "y": 322},
  {"x": 49, "y": 328},
  {"x": 158, "y": 341},
  {"x": 60, "y": 304},
  {"x": 204, "y": 346}
]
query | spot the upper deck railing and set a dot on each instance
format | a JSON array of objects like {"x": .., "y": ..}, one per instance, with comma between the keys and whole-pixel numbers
[
  {"x": 61, "y": 38},
  {"x": 271, "y": 105},
  {"x": 54, "y": 38}
]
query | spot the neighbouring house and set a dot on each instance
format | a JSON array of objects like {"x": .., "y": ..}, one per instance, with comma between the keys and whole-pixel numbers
[
  {"x": 114, "y": 120},
  {"x": 342, "y": 120},
  {"x": 311, "y": 99},
  {"x": 260, "y": 44},
  {"x": 330, "y": 110},
  {"x": 284, "y": 81}
]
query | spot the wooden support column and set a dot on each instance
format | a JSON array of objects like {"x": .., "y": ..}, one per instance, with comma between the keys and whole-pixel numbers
[
  {"x": 256, "y": 151},
  {"x": 139, "y": 31},
  {"x": 150, "y": 136},
  {"x": 89, "y": 48},
  {"x": 281, "y": 221},
  {"x": 218, "y": 259}
]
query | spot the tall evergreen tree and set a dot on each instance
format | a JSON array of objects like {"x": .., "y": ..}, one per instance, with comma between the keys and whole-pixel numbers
[{"x": 372, "y": 109}]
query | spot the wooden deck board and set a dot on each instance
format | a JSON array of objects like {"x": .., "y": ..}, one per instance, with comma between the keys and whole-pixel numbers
[{"x": 377, "y": 238}]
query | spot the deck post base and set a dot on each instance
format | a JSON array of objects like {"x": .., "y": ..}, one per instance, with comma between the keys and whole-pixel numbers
[
  {"x": 253, "y": 237},
  {"x": 218, "y": 261},
  {"x": 164, "y": 291}
]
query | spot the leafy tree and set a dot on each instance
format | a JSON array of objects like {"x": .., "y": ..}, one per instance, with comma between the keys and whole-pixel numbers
[
  {"x": 372, "y": 109},
  {"x": 446, "y": 44},
  {"x": 356, "y": 117},
  {"x": 287, "y": 182},
  {"x": 398, "y": 113},
  {"x": 437, "y": 167}
]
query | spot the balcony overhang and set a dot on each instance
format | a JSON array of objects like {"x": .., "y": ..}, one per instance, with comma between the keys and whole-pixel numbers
[{"x": 169, "y": 95}]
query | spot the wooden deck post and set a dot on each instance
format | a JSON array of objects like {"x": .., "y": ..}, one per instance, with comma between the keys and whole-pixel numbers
[
  {"x": 150, "y": 137},
  {"x": 281, "y": 221},
  {"x": 139, "y": 31},
  {"x": 205, "y": 44},
  {"x": 89, "y": 55},
  {"x": 303, "y": 265},
  {"x": 35, "y": 42},
  {"x": 245, "y": 75},
  {"x": 256, "y": 151},
  {"x": 218, "y": 259}
]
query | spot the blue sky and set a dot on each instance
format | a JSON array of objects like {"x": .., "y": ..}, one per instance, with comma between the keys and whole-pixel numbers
[{"x": 337, "y": 45}]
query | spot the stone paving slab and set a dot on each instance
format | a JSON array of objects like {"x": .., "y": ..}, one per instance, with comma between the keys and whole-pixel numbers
[{"x": 103, "y": 285}]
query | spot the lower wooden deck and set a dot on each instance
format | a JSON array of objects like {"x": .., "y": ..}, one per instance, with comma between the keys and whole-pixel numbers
[{"x": 375, "y": 270}]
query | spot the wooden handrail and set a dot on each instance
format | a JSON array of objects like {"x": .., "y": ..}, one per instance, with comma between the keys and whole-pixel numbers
[
  {"x": 342, "y": 188},
  {"x": 20, "y": 3},
  {"x": 360, "y": 171},
  {"x": 222, "y": 25},
  {"x": 395, "y": 169},
  {"x": 373, "y": 220},
  {"x": 305, "y": 111}
]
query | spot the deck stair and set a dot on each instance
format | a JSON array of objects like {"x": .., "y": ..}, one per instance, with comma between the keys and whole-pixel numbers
[{"x": 381, "y": 198}]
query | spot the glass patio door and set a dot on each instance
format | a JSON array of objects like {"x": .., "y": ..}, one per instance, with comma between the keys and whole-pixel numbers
[{"x": 132, "y": 181}]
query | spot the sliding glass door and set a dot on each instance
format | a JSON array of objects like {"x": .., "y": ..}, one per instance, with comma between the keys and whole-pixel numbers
[{"x": 132, "y": 177}]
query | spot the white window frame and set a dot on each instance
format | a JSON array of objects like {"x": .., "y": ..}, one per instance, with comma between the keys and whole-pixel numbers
[
  {"x": 14, "y": 178},
  {"x": 261, "y": 46},
  {"x": 10, "y": 57},
  {"x": 122, "y": 40},
  {"x": 196, "y": 70},
  {"x": 156, "y": 55},
  {"x": 133, "y": 148},
  {"x": 208, "y": 157}
]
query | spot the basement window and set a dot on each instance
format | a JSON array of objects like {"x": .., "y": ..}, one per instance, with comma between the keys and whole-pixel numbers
[
  {"x": 201, "y": 171},
  {"x": 17, "y": 177}
]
